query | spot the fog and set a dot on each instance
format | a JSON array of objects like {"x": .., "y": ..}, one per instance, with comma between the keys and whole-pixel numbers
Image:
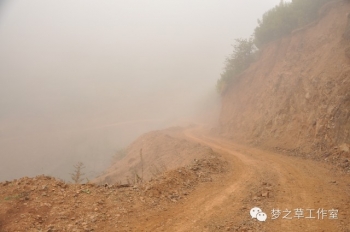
[{"x": 81, "y": 79}]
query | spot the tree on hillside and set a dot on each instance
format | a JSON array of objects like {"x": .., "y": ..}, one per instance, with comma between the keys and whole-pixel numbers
[
  {"x": 275, "y": 23},
  {"x": 77, "y": 175},
  {"x": 284, "y": 18},
  {"x": 242, "y": 56}
]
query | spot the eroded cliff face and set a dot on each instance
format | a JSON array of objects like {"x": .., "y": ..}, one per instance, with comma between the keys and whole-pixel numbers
[{"x": 297, "y": 95}]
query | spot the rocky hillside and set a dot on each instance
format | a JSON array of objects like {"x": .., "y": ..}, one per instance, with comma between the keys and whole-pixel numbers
[
  {"x": 44, "y": 203},
  {"x": 296, "y": 97},
  {"x": 152, "y": 154}
]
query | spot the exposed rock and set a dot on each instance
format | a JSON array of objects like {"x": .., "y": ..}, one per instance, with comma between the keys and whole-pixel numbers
[
  {"x": 344, "y": 147},
  {"x": 82, "y": 210},
  {"x": 265, "y": 194}
]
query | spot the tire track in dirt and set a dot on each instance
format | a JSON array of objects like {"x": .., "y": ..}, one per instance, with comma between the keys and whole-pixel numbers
[
  {"x": 299, "y": 183},
  {"x": 207, "y": 203},
  {"x": 224, "y": 205}
]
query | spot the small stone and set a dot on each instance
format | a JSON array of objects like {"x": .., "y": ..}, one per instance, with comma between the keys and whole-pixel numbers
[
  {"x": 307, "y": 95},
  {"x": 344, "y": 147},
  {"x": 265, "y": 194}
]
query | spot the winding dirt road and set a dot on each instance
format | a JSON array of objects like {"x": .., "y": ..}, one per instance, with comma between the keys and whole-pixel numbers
[{"x": 266, "y": 180}]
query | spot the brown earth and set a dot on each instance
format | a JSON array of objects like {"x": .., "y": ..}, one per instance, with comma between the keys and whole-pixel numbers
[
  {"x": 296, "y": 97},
  {"x": 291, "y": 108},
  {"x": 152, "y": 154},
  {"x": 214, "y": 193}
]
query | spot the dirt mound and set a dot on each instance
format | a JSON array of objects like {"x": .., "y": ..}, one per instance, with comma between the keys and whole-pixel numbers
[
  {"x": 296, "y": 96},
  {"x": 215, "y": 193},
  {"x": 161, "y": 151},
  {"x": 46, "y": 204}
]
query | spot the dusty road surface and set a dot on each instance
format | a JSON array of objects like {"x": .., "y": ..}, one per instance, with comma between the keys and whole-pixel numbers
[
  {"x": 310, "y": 196},
  {"x": 212, "y": 193}
]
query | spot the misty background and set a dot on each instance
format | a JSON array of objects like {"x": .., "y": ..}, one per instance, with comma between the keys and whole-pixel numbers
[{"x": 81, "y": 79}]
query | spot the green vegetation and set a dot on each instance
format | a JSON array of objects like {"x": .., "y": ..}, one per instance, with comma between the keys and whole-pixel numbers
[
  {"x": 15, "y": 197},
  {"x": 284, "y": 18},
  {"x": 8, "y": 198},
  {"x": 240, "y": 59},
  {"x": 87, "y": 191},
  {"x": 275, "y": 23}
]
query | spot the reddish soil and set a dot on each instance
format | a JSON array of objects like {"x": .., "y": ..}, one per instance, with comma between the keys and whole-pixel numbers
[
  {"x": 296, "y": 96},
  {"x": 291, "y": 109},
  {"x": 214, "y": 193},
  {"x": 152, "y": 154}
]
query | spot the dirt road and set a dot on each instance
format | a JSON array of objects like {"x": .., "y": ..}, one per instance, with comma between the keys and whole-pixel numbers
[
  {"x": 212, "y": 193},
  {"x": 298, "y": 187}
]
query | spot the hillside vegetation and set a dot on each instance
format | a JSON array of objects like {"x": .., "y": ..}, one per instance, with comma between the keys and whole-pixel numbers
[
  {"x": 296, "y": 98},
  {"x": 275, "y": 23}
]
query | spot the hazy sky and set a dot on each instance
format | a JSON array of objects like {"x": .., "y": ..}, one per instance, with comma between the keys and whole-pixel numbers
[{"x": 80, "y": 79}]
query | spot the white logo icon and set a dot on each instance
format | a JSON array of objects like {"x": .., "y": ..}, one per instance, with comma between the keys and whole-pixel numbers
[
  {"x": 261, "y": 217},
  {"x": 254, "y": 211},
  {"x": 258, "y": 214}
]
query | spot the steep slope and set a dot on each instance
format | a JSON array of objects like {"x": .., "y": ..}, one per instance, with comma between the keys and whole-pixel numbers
[
  {"x": 44, "y": 203},
  {"x": 296, "y": 97},
  {"x": 161, "y": 151},
  {"x": 208, "y": 195}
]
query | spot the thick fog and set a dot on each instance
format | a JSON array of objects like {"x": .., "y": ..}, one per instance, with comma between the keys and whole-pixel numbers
[{"x": 81, "y": 79}]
